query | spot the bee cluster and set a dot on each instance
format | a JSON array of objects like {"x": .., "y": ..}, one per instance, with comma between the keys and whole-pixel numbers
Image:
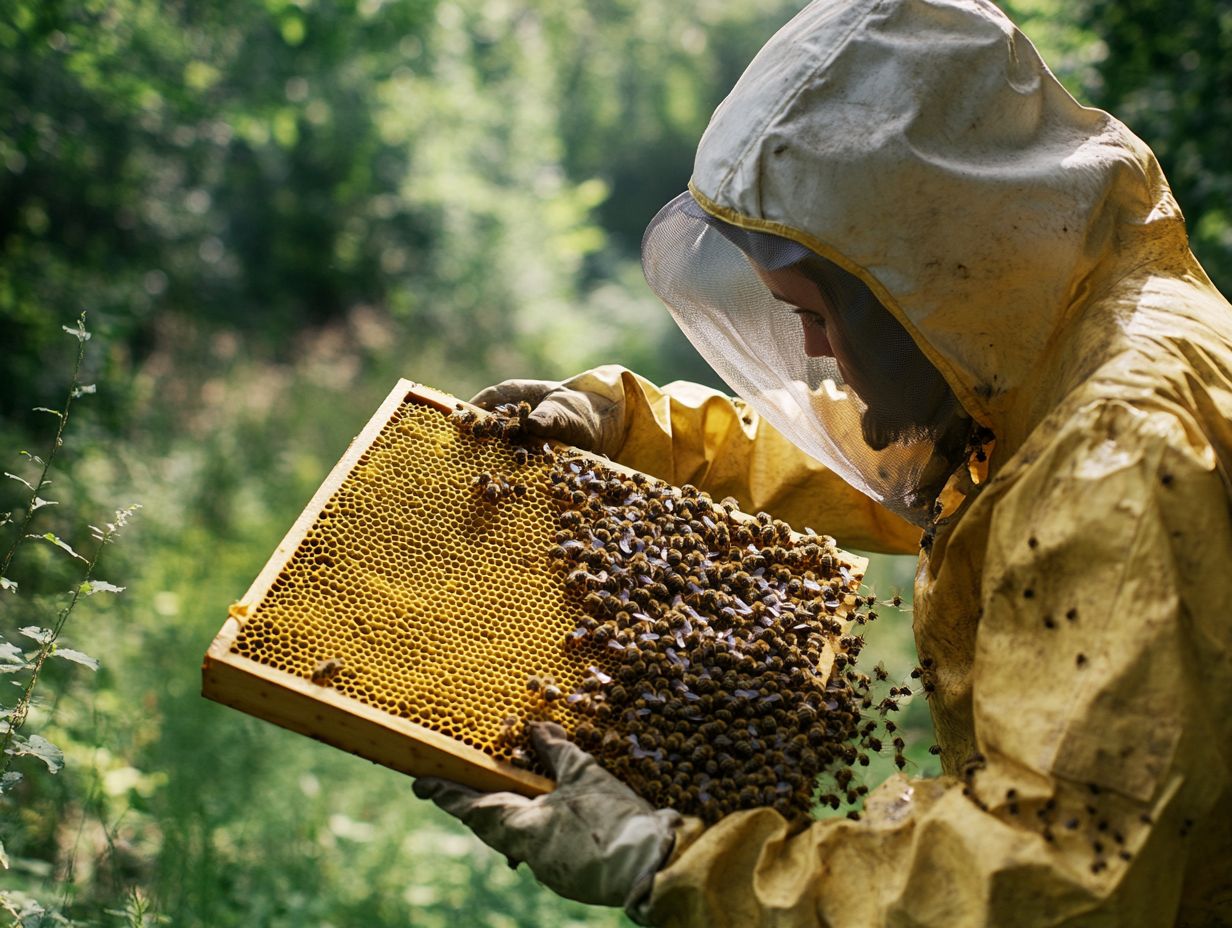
[
  {"x": 721, "y": 663},
  {"x": 718, "y": 627}
]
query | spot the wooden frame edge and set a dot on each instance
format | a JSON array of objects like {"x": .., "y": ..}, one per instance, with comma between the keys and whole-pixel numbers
[{"x": 278, "y": 697}]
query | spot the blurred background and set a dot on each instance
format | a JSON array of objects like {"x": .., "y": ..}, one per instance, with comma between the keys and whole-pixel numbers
[{"x": 269, "y": 211}]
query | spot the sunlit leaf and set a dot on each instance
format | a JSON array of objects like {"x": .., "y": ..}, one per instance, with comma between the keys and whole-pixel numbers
[
  {"x": 10, "y": 653},
  {"x": 122, "y": 516},
  {"x": 56, "y": 540},
  {"x": 79, "y": 331},
  {"x": 90, "y": 587},
  {"x": 9, "y": 781},
  {"x": 4, "y": 858},
  {"x": 82, "y": 389},
  {"x": 39, "y": 503},
  {"x": 54, "y": 412},
  {"x": 40, "y": 747},
  {"x": 8, "y": 585},
  {"x": 19, "y": 480},
  {"x": 77, "y": 657},
  {"x": 33, "y": 457},
  {"x": 41, "y": 635}
]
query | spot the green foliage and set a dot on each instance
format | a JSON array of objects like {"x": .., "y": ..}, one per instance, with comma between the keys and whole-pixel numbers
[
  {"x": 266, "y": 166},
  {"x": 25, "y": 664},
  {"x": 1165, "y": 68}
]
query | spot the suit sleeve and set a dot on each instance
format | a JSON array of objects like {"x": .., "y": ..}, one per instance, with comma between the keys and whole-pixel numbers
[
  {"x": 687, "y": 433},
  {"x": 1094, "y": 682}
]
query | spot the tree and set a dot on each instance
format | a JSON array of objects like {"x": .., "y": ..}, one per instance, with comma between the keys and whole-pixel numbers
[{"x": 1166, "y": 71}]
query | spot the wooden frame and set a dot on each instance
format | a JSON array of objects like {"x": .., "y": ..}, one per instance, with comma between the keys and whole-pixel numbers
[{"x": 321, "y": 712}]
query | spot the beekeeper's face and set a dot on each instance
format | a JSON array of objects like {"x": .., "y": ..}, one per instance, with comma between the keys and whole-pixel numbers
[{"x": 822, "y": 331}]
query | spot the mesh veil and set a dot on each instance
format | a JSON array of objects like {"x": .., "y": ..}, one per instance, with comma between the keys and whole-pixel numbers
[{"x": 892, "y": 428}]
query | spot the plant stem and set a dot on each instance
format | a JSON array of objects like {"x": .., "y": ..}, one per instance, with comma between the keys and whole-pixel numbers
[
  {"x": 22, "y": 709},
  {"x": 51, "y": 454}
]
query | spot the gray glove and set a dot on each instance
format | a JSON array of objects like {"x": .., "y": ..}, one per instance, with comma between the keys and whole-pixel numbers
[
  {"x": 586, "y": 420},
  {"x": 591, "y": 839}
]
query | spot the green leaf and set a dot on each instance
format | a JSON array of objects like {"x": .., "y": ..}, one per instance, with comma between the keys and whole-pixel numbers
[
  {"x": 8, "y": 585},
  {"x": 4, "y": 858},
  {"x": 90, "y": 587},
  {"x": 33, "y": 457},
  {"x": 77, "y": 657},
  {"x": 28, "y": 485},
  {"x": 9, "y": 781},
  {"x": 56, "y": 540},
  {"x": 82, "y": 389},
  {"x": 41, "y": 635},
  {"x": 40, "y": 747},
  {"x": 54, "y": 412}
]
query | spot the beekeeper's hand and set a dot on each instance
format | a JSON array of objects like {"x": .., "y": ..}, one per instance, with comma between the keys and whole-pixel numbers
[
  {"x": 591, "y": 839},
  {"x": 565, "y": 411}
]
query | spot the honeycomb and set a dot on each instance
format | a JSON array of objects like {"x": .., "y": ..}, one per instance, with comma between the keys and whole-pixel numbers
[
  {"x": 414, "y": 594},
  {"x": 471, "y": 580}
]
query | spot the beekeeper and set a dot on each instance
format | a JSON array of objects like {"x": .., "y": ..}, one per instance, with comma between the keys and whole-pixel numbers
[{"x": 955, "y": 304}]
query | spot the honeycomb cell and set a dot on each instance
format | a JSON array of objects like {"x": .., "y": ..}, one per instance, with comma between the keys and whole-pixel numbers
[{"x": 426, "y": 594}]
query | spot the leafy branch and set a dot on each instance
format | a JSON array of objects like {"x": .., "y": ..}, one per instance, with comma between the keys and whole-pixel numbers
[
  {"x": 15, "y": 660},
  {"x": 12, "y": 744},
  {"x": 76, "y": 389}
]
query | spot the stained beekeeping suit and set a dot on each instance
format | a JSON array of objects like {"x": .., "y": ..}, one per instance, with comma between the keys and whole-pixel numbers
[{"x": 1075, "y": 600}]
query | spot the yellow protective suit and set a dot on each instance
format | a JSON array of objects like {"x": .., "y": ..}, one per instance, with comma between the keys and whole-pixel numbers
[{"x": 1078, "y": 606}]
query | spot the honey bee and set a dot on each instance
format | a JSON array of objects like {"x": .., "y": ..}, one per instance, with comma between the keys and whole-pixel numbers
[
  {"x": 521, "y": 456},
  {"x": 520, "y": 757},
  {"x": 326, "y": 670},
  {"x": 508, "y": 729},
  {"x": 463, "y": 418}
]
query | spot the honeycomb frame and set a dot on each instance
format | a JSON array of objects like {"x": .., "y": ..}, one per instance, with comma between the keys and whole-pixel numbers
[{"x": 304, "y": 700}]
